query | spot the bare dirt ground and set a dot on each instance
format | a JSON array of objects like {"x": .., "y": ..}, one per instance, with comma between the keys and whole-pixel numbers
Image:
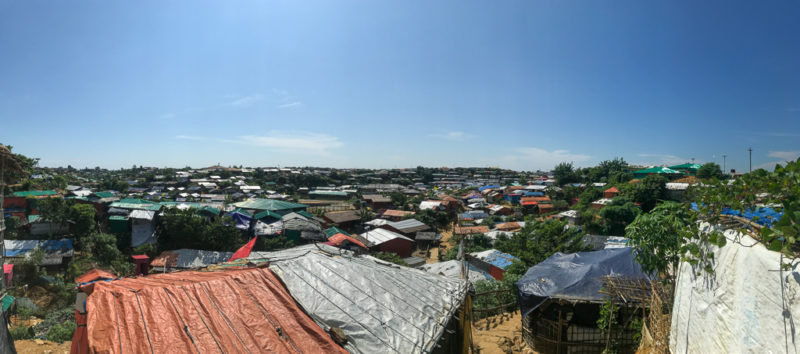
[
  {"x": 38, "y": 346},
  {"x": 500, "y": 334}
]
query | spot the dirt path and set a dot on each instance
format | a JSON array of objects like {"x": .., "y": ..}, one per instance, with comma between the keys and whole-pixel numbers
[
  {"x": 500, "y": 335},
  {"x": 38, "y": 346}
]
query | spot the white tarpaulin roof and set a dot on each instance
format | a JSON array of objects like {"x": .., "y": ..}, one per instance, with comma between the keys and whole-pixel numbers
[
  {"x": 381, "y": 307},
  {"x": 142, "y": 214},
  {"x": 747, "y": 305}
]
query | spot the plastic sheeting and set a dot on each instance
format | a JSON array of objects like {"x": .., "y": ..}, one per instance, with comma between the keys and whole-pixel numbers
[
  {"x": 574, "y": 277},
  {"x": 381, "y": 307},
  {"x": 748, "y": 305},
  {"x": 233, "y": 311}
]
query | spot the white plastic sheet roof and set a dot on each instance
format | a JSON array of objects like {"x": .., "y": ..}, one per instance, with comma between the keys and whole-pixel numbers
[
  {"x": 378, "y": 236},
  {"x": 381, "y": 307},
  {"x": 142, "y": 214}
]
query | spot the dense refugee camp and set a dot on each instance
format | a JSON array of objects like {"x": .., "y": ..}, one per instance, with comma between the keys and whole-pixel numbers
[{"x": 403, "y": 177}]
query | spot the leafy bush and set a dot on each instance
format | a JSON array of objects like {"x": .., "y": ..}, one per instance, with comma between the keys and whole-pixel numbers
[
  {"x": 62, "y": 317},
  {"x": 61, "y": 332},
  {"x": 390, "y": 257},
  {"x": 21, "y": 332}
]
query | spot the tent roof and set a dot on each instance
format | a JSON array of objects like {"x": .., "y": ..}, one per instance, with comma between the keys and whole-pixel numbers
[
  {"x": 574, "y": 276},
  {"x": 232, "y": 311}
]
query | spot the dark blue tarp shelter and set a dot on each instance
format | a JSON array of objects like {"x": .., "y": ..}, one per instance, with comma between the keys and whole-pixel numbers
[
  {"x": 574, "y": 277},
  {"x": 242, "y": 220}
]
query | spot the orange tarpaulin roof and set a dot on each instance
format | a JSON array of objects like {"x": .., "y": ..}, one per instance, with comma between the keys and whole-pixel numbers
[
  {"x": 231, "y": 311},
  {"x": 338, "y": 239}
]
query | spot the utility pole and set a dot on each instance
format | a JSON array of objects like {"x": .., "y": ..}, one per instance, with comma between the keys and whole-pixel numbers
[
  {"x": 724, "y": 158},
  {"x": 750, "y": 150}
]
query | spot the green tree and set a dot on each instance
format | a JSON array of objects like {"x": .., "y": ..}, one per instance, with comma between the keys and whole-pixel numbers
[
  {"x": 390, "y": 257},
  {"x": 565, "y": 173},
  {"x": 617, "y": 215},
  {"x": 539, "y": 240},
  {"x": 82, "y": 221},
  {"x": 668, "y": 234},
  {"x": 710, "y": 170},
  {"x": 187, "y": 229},
  {"x": 647, "y": 192}
]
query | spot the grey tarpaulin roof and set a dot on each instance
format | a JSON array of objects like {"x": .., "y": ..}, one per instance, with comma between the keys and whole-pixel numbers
[
  {"x": 574, "y": 276},
  {"x": 381, "y": 307}
]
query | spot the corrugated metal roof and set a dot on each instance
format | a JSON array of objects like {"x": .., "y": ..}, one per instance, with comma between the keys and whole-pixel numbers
[
  {"x": 409, "y": 225},
  {"x": 140, "y": 204},
  {"x": 379, "y": 236}
]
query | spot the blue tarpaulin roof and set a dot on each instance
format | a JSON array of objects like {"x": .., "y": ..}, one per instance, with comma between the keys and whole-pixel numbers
[
  {"x": 21, "y": 247},
  {"x": 574, "y": 277},
  {"x": 496, "y": 258},
  {"x": 488, "y": 187},
  {"x": 763, "y": 216}
]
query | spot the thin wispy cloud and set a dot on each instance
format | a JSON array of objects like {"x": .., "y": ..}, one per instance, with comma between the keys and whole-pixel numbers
[
  {"x": 247, "y": 100},
  {"x": 189, "y": 137},
  {"x": 785, "y": 155},
  {"x": 453, "y": 136},
  {"x": 294, "y": 104},
  {"x": 294, "y": 142},
  {"x": 532, "y": 158}
]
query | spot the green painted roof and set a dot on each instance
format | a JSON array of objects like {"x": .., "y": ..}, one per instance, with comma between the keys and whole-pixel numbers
[
  {"x": 132, "y": 203},
  {"x": 657, "y": 170},
  {"x": 335, "y": 230},
  {"x": 34, "y": 193},
  {"x": 267, "y": 213},
  {"x": 268, "y": 204},
  {"x": 118, "y": 218}
]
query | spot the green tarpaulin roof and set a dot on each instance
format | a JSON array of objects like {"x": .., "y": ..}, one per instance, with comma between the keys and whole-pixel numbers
[
  {"x": 686, "y": 166},
  {"x": 140, "y": 204},
  {"x": 34, "y": 193},
  {"x": 105, "y": 194},
  {"x": 306, "y": 214},
  {"x": 118, "y": 217},
  {"x": 335, "y": 230},
  {"x": 657, "y": 170},
  {"x": 267, "y": 213},
  {"x": 268, "y": 204}
]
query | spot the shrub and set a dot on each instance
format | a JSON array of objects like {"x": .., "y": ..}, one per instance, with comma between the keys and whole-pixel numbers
[
  {"x": 61, "y": 332},
  {"x": 21, "y": 332}
]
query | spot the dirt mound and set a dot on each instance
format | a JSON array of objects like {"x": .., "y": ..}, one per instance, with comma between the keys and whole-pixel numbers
[
  {"x": 38, "y": 346},
  {"x": 500, "y": 334}
]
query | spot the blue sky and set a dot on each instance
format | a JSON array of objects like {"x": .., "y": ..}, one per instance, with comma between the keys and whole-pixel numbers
[{"x": 515, "y": 84}]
